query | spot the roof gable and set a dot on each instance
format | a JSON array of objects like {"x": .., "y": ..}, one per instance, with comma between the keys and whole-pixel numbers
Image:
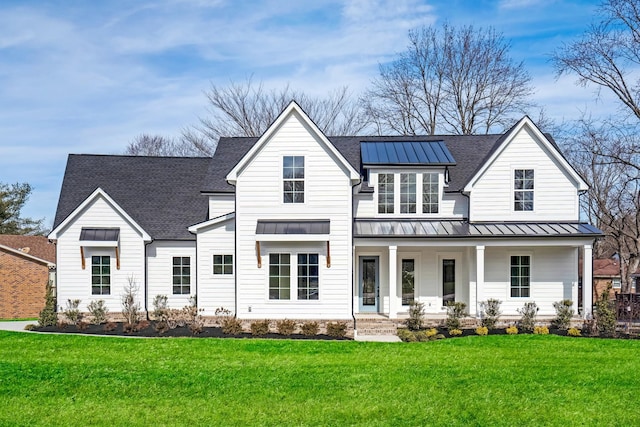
[
  {"x": 508, "y": 137},
  {"x": 36, "y": 246},
  {"x": 292, "y": 108}
]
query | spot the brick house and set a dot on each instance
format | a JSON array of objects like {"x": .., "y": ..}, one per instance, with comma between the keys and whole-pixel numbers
[
  {"x": 26, "y": 264},
  {"x": 606, "y": 272}
]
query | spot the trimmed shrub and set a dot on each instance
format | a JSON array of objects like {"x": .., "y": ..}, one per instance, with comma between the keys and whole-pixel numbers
[
  {"x": 231, "y": 326},
  {"x": 455, "y": 312},
  {"x": 455, "y": 332},
  {"x": 422, "y": 336},
  {"x": 541, "y": 330},
  {"x": 512, "y": 330},
  {"x": 337, "y": 329},
  {"x": 605, "y": 315},
  {"x": 406, "y": 335},
  {"x": 160, "y": 308},
  {"x": 528, "y": 320},
  {"x": 482, "y": 330},
  {"x": 564, "y": 313},
  {"x": 130, "y": 308},
  {"x": 491, "y": 308},
  {"x": 72, "y": 312},
  {"x": 431, "y": 332},
  {"x": 98, "y": 311},
  {"x": 573, "y": 332},
  {"x": 416, "y": 316},
  {"x": 259, "y": 328},
  {"x": 310, "y": 328},
  {"x": 48, "y": 315},
  {"x": 285, "y": 327}
]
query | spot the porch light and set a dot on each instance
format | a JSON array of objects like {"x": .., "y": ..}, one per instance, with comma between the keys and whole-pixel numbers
[{"x": 446, "y": 175}]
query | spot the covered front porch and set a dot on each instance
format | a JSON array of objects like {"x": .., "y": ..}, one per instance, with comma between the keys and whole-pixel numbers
[{"x": 391, "y": 271}]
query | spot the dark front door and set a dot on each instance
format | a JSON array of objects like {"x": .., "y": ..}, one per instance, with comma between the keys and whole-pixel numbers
[
  {"x": 369, "y": 286},
  {"x": 448, "y": 281}
]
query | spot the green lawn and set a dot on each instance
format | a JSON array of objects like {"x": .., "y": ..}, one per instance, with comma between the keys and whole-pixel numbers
[{"x": 494, "y": 380}]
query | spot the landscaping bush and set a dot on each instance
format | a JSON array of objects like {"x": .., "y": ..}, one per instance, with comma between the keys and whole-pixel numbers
[
  {"x": 110, "y": 326},
  {"x": 482, "y": 330},
  {"x": 416, "y": 316},
  {"x": 455, "y": 332},
  {"x": 528, "y": 320},
  {"x": 259, "y": 328},
  {"x": 337, "y": 329},
  {"x": 455, "y": 312},
  {"x": 161, "y": 326},
  {"x": 422, "y": 336},
  {"x": 406, "y": 335},
  {"x": 573, "y": 332},
  {"x": 72, "y": 312},
  {"x": 310, "y": 328},
  {"x": 605, "y": 315},
  {"x": 231, "y": 326},
  {"x": 512, "y": 330},
  {"x": 541, "y": 330},
  {"x": 98, "y": 311},
  {"x": 431, "y": 332},
  {"x": 160, "y": 308},
  {"x": 564, "y": 313},
  {"x": 285, "y": 327},
  {"x": 491, "y": 308},
  {"x": 130, "y": 308},
  {"x": 48, "y": 315}
]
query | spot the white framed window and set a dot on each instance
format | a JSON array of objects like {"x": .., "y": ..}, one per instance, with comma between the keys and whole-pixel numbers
[
  {"x": 181, "y": 275},
  {"x": 385, "y": 193},
  {"x": 520, "y": 276},
  {"x": 408, "y": 272},
  {"x": 223, "y": 264},
  {"x": 523, "y": 188},
  {"x": 616, "y": 283},
  {"x": 430, "y": 192},
  {"x": 100, "y": 275},
  {"x": 308, "y": 278},
  {"x": 279, "y": 276},
  {"x": 293, "y": 179},
  {"x": 407, "y": 193}
]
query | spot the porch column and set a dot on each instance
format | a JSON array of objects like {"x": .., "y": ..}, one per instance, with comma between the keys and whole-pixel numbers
[
  {"x": 587, "y": 281},
  {"x": 476, "y": 295},
  {"x": 393, "y": 282}
]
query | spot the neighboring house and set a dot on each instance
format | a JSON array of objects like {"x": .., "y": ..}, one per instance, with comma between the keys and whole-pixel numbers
[
  {"x": 295, "y": 224},
  {"x": 27, "y": 263},
  {"x": 606, "y": 273}
]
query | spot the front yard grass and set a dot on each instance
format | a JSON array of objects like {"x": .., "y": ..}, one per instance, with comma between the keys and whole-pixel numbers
[{"x": 494, "y": 380}]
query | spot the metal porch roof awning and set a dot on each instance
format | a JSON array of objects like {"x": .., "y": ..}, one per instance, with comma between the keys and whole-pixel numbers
[
  {"x": 464, "y": 229},
  {"x": 293, "y": 227},
  {"x": 415, "y": 153},
  {"x": 100, "y": 234}
]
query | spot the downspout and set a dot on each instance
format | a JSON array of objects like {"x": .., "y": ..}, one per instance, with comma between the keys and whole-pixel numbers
[
  {"x": 353, "y": 263},
  {"x": 146, "y": 280}
]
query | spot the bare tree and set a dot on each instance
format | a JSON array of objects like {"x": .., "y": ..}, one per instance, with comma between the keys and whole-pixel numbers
[
  {"x": 157, "y": 145},
  {"x": 246, "y": 109},
  {"x": 453, "y": 80}
]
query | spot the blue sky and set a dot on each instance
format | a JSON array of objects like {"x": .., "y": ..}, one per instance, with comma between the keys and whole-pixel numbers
[{"x": 88, "y": 76}]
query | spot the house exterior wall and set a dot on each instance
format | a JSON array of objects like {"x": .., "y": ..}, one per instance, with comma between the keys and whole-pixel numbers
[
  {"x": 216, "y": 290},
  {"x": 73, "y": 282},
  {"x": 221, "y": 204},
  {"x": 160, "y": 275},
  {"x": 22, "y": 286},
  {"x": 555, "y": 194},
  {"x": 327, "y": 195}
]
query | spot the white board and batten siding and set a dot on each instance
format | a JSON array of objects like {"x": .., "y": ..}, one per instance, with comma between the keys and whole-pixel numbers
[
  {"x": 75, "y": 283},
  {"x": 327, "y": 195},
  {"x": 555, "y": 192},
  {"x": 216, "y": 290},
  {"x": 160, "y": 271}
]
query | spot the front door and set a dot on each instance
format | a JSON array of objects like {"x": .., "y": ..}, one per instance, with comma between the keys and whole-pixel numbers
[{"x": 369, "y": 286}]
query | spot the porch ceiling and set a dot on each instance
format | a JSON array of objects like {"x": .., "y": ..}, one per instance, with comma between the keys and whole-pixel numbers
[{"x": 464, "y": 229}]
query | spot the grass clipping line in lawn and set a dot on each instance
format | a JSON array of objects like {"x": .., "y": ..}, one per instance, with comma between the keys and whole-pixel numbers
[{"x": 494, "y": 380}]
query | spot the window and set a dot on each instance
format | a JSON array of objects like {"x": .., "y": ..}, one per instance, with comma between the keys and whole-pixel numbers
[
  {"x": 408, "y": 281},
  {"x": 408, "y": 193},
  {"x": 616, "y": 283},
  {"x": 385, "y": 193},
  {"x": 448, "y": 281},
  {"x": 430, "y": 193},
  {"x": 520, "y": 276},
  {"x": 279, "y": 276},
  {"x": 523, "y": 190},
  {"x": 181, "y": 275},
  {"x": 100, "y": 275},
  {"x": 223, "y": 264},
  {"x": 308, "y": 276},
  {"x": 293, "y": 179}
]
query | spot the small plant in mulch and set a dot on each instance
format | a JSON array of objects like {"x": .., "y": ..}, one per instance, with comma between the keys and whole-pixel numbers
[
  {"x": 416, "y": 316},
  {"x": 48, "y": 315},
  {"x": 512, "y": 330},
  {"x": 98, "y": 311},
  {"x": 573, "y": 332},
  {"x": 110, "y": 326},
  {"x": 231, "y": 326},
  {"x": 455, "y": 312},
  {"x": 337, "y": 329},
  {"x": 406, "y": 335},
  {"x": 455, "y": 332},
  {"x": 310, "y": 329},
  {"x": 564, "y": 313},
  {"x": 259, "y": 328},
  {"x": 482, "y": 330},
  {"x": 605, "y": 315},
  {"x": 528, "y": 320},
  {"x": 541, "y": 330},
  {"x": 491, "y": 312},
  {"x": 285, "y": 327},
  {"x": 72, "y": 312},
  {"x": 130, "y": 307}
]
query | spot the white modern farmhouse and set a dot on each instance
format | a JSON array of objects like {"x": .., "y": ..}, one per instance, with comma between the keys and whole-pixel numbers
[{"x": 300, "y": 225}]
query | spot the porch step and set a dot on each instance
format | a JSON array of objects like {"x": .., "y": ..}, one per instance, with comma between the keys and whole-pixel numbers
[{"x": 376, "y": 327}]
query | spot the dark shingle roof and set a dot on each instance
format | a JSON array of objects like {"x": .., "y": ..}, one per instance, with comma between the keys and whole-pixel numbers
[{"x": 162, "y": 194}]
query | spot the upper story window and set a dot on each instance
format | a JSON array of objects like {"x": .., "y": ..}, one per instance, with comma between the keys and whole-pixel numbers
[
  {"x": 430, "y": 193},
  {"x": 181, "y": 275},
  {"x": 385, "y": 192},
  {"x": 523, "y": 190},
  {"x": 293, "y": 179},
  {"x": 407, "y": 193},
  {"x": 100, "y": 275}
]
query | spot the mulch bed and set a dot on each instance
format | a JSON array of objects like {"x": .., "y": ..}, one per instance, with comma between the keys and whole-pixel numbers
[
  {"x": 180, "y": 331},
  {"x": 552, "y": 331}
]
